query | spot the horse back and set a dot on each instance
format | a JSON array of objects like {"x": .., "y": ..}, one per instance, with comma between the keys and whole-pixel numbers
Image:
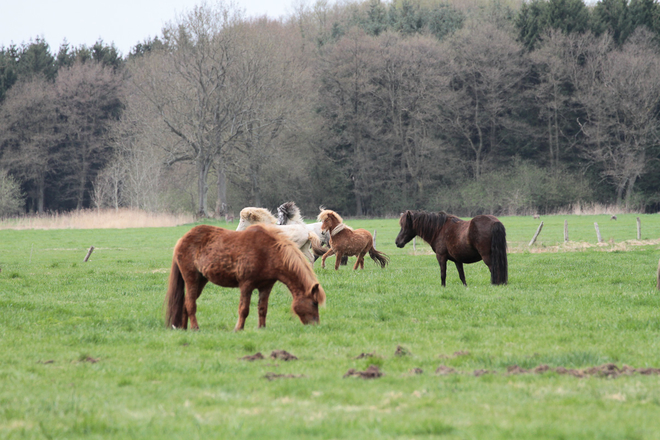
[{"x": 226, "y": 257}]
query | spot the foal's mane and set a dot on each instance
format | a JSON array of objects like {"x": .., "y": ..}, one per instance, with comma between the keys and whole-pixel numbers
[
  {"x": 427, "y": 224},
  {"x": 327, "y": 213},
  {"x": 257, "y": 215},
  {"x": 293, "y": 258}
]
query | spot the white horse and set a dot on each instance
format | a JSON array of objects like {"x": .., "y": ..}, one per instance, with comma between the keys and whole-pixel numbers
[
  {"x": 289, "y": 214},
  {"x": 304, "y": 239}
]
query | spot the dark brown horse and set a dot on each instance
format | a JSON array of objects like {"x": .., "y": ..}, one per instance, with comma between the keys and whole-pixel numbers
[
  {"x": 453, "y": 239},
  {"x": 252, "y": 259},
  {"x": 344, "y": 241}
]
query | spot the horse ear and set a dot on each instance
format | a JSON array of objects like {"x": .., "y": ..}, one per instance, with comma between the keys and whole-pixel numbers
[{"x": 318, "y": 294}]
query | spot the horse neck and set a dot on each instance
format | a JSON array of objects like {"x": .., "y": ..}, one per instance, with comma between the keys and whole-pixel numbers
[
  {"x": 428, "y": 225},
  {"x": 295, "y": 271}
]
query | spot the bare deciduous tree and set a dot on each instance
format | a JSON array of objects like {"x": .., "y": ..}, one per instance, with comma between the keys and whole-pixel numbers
[
  {"x": 188, "y": 86},
  {"x": 29, "y": 134}
]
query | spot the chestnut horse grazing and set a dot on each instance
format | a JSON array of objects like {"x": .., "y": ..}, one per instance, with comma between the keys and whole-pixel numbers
[
  {"x": 453, "y": 239},
  {"x": 346, "y": 241},
  {"x": 252, "y": 259}
]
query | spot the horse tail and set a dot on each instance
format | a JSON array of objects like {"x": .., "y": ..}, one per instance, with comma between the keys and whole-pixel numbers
[
  {"x": 174, "y": 300},
  {"x": 499, "y": 266},
  {"x": 379, "y": 257},
  {"x": 317, "y": 248}
]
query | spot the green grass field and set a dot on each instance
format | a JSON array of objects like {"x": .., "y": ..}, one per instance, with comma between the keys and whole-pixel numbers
[{"x": 84, "y": 354}]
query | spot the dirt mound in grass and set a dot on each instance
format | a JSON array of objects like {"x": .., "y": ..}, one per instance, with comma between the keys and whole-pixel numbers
[
  {"x": 455, "y": 355},
  {"x": 254, "y": 357},
  {"x": 401, "y": 351},
  {"x": 273, "y": 376},
  {"x": 605, "y": 370},
  {"x": 282, "y": 355},
  {"x": 364, "y": 355},
  {"x": 373, "y": 372}
]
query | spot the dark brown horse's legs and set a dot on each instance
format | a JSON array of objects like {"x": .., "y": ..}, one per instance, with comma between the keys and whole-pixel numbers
[
  {"x": 442, "y": 261},
  {"x": 243, "y": 307},
  {"x": 461, "y": 274},
  {"x": 264, "y": 294}
]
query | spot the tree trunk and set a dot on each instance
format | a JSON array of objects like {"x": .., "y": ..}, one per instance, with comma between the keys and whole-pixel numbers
[
  {"x": 221, "y": 203},
  {"x": 202, "y": 188}
]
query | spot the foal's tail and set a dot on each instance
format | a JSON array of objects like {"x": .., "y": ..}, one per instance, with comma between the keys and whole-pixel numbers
[
  {"x": 174, "y": 300},
  {"x": 379, "y": 257},
  {"x": 499, "y": 266}
]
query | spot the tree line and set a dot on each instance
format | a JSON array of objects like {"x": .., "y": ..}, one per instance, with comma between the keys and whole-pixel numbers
[{"x": 366, "y": 107}]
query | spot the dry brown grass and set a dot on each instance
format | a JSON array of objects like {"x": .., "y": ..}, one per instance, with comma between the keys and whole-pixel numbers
[{"x": 97, "y": 219}]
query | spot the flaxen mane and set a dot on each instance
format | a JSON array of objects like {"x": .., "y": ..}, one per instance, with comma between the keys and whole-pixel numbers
[
  {"x": 326, "y": 213},
  {"x": 293, "y": 258},
  {"x": 258, "y": 215}
]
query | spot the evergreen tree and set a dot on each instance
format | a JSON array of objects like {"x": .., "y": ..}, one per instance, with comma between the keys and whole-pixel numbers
[
  {"x": 8, "y": 69},
  {"x": 612, "y": 16}
]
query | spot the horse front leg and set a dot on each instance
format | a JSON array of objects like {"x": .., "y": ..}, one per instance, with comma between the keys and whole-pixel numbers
[
  {"x": 243, "y": 306},
  {"x": 338, "y": 256},
  {"x": 442, "y": 261},
  {"x": 330, "y": 253},
  {"x": 264, "y": 294},
  {"x": 461, "y": 274}
]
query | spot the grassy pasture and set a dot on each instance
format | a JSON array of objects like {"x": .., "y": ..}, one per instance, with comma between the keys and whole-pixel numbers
[{"x": 83, "y": 351}]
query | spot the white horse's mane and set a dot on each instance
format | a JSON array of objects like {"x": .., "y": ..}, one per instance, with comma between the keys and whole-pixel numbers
[{"x": 257, "y": 215}]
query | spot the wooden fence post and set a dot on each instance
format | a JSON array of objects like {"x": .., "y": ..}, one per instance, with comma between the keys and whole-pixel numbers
[
  {"x": 374, "y": 238},
  {"x": 89, "y": 253},
  {"x": 538, "y": 231},
  {"x": 639, "y": 229},
  {"x": 600, "y": 239},
  {"x": 565, "y": 231}
]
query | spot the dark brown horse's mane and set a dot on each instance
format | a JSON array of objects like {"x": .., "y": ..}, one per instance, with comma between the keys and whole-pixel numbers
[{"x": 428, "y": 224}]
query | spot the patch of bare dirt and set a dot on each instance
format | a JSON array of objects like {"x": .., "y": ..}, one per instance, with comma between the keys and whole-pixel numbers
[
  {"x": 273, "y": 376},
  {"x": 416, "y": 371},
  {"x": 282, "y": 355},
  {"x": 373, "y": 372},
  {"x": 90, "y": 359}
]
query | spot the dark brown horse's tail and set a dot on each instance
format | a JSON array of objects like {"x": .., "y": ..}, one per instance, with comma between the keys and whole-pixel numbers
[
  {"x": 499, "y": 266},
  {"x": 379, "y": 257},
  {"x": 174, "y": 300}
]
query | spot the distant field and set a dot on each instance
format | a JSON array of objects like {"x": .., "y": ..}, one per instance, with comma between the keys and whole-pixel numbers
[{"x": 83, "y": 351}]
